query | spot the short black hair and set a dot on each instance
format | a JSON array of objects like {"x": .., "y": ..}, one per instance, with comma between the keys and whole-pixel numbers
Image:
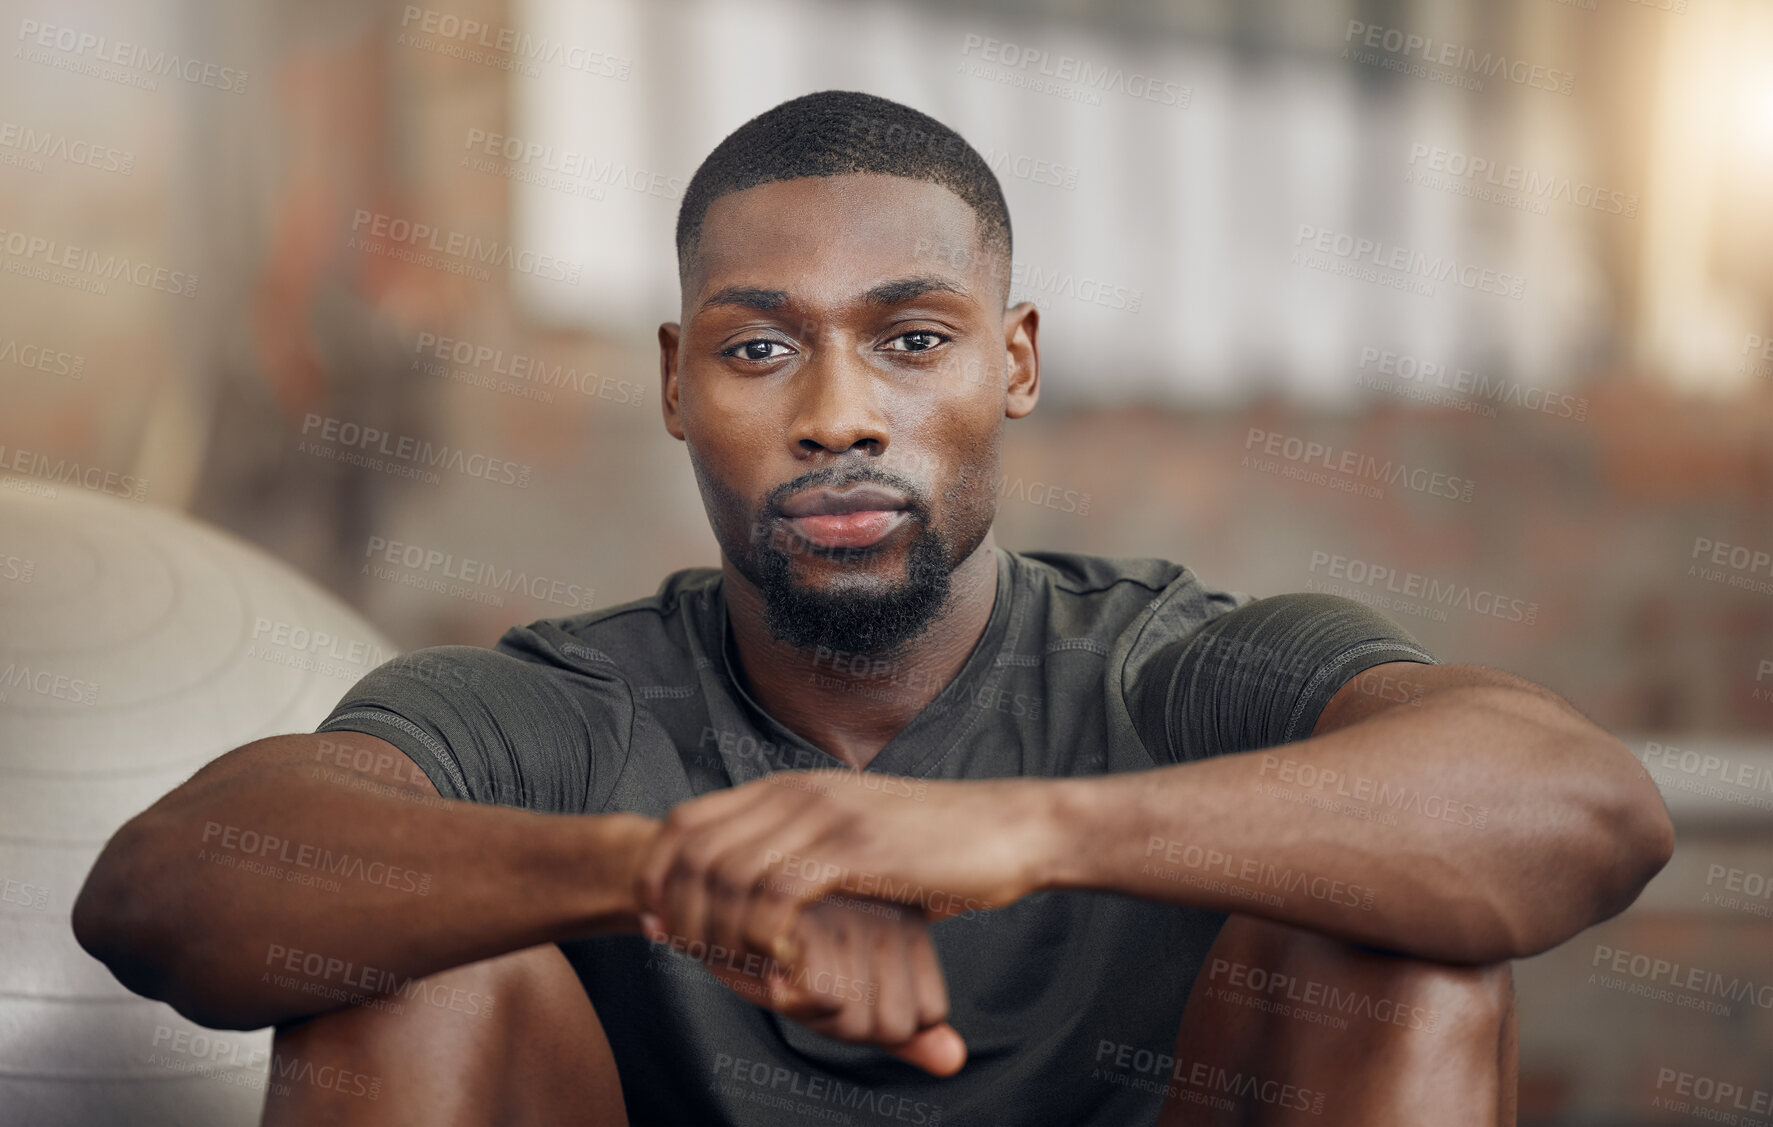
[{"x": 837, "y": 132}]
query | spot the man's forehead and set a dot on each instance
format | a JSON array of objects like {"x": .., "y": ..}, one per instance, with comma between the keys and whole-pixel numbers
[{"x": 839, "y": 238}]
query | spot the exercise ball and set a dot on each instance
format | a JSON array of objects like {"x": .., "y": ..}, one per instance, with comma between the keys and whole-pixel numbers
[{"x": 136, "y": 645}]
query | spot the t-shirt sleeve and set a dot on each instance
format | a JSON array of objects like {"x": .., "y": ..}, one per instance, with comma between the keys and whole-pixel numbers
[
  {"x": 486, "y": 726},
  {"x": 1260, "y": 675}
]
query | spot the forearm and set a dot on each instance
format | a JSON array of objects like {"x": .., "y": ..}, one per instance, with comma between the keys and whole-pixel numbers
[
  {"x": 208, "y": 899},
  {"x": 1478, "y": 824}
]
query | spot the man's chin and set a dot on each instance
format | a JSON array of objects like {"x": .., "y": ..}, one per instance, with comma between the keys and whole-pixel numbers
[{"x": 869, "y": 605}]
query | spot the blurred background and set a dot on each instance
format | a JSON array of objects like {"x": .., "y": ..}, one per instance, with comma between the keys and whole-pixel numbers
[{"x": 1461, "y": 308}]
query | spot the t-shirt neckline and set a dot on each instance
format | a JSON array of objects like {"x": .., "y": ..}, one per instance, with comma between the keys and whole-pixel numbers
[{"x": 920, "y": 745}]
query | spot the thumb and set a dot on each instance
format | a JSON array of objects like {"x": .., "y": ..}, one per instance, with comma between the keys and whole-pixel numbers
[{"x": 937, "y": 1050}]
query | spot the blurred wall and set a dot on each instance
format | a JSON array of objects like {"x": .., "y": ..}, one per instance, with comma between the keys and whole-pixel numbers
[{"x": 1509, "y": 262}]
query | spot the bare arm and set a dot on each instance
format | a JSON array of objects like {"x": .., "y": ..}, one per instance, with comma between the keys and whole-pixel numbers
[
  {"x": 217, "y": 898},
  {"x": 1391, "y": 852},
  {"x": 1478, "y": 818}
]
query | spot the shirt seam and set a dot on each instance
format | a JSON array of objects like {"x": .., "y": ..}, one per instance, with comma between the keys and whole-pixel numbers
[
  {"x": 442, "y": 754},
  {"x": 1332, "y": 668}
]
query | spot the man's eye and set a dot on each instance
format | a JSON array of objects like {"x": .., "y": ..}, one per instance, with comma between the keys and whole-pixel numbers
[
  {"x": 920, "y": 340},
  {"x": 758, "y": 350}
]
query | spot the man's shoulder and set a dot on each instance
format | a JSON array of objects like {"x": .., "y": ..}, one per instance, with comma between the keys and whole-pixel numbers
[
  {"x": 1077, "y": 574},
  {"x": 665, "y": 635},
  {"x": 1123, "y": 587}
]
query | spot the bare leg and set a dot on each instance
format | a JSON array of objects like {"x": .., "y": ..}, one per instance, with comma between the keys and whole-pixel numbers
[
  {"x": 1285, "y": 1026},
  {"x": 536, "y": 1055}
]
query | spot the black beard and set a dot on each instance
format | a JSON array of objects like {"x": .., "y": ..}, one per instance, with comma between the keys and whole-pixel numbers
[
  {"x": 856, "y": 622},
  {"x": 872, "y": 622}
]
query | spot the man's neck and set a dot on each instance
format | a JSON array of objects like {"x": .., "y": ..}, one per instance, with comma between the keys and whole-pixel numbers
[{"x": 851, "y": 705}]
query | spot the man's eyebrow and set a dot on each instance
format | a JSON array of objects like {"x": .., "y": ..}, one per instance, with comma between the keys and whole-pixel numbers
[
  {"x": 901, "y": 290},
  {"x": 750, "y": 297}
]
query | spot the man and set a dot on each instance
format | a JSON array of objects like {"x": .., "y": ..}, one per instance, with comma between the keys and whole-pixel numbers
[{"x": 880, "y": 823}]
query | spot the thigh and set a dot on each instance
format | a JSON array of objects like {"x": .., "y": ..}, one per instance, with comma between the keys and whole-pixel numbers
[
  {"x": 1286, "y": 1026},
  {"x": 511, "y": 1039}
]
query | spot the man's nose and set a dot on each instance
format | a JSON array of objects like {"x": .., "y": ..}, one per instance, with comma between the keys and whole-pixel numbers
[{"x": 838, "y": 405}]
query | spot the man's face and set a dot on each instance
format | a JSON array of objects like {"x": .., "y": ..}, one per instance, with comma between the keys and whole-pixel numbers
[{"x": 841, "y": 378}]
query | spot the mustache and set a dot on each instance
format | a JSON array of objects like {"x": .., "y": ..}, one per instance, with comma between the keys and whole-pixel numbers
[{"x": 916, "y": 498}]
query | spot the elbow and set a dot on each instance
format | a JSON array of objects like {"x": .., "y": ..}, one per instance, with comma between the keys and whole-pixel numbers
[
  {"x": 1643, "y": 837},
  {"x": 106, "y": 911},
  {"x": 1625, "y": 839},
  {"x": 1628, "y": 839},
  {"x": 118, "y": 918}
]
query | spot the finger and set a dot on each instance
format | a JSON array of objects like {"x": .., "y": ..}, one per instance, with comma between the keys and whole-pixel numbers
[
  {"x": 734, "y": 883},
  {"x": 938, "y": 1050},
  {"x": 681, "y": 823},
  {"x": 821, "y": 960},
  {"x": 691, "y": 883},
  {"x": 849, "y": 963},
  {"x": 929, "y": 984},
  {"x": 895, "y": 1012},
  {"x": 803, "y": 875}
]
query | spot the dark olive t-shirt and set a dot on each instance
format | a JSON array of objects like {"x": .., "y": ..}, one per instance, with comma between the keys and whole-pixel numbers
[{"x": 1087, "y": 666}]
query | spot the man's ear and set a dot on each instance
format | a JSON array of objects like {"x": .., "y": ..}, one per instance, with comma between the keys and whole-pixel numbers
[
  {"x": 668, "y": 335},
  {"x": 1021, "y": 343}
]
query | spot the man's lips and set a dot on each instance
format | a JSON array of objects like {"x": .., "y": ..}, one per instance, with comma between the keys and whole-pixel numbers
[
  {"x": 849, "y": 518},
  {"x": 861, "y": 529},
  {"x": 825, "y": 502}
]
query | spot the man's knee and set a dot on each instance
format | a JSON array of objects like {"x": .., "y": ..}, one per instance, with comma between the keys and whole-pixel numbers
[
  {"x": 514, "y": 1033},
  {"x": 1384, "y": 991}
]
